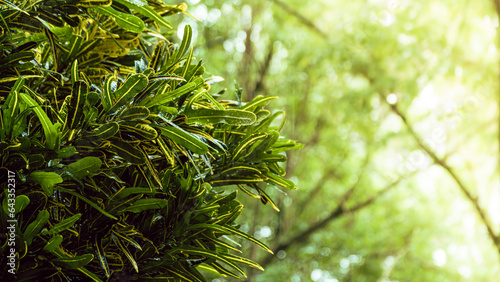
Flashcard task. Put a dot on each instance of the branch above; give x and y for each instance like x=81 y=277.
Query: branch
x=259 y=85
x=445 y=166
x=303 y=236
x=329 y=174
x=301 y=18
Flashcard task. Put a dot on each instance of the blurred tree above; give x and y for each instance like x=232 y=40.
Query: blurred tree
x=395 y=102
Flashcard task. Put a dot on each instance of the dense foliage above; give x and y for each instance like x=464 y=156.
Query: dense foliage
x=119 y=149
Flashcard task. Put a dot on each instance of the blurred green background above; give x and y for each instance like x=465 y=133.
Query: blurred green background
x=396 y=102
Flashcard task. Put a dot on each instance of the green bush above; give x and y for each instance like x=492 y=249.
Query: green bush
x=117 y=152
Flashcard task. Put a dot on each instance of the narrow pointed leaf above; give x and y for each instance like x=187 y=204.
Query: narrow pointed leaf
x=104 y=131
x=248 y=237
x=185 y=139
x=34 y=228
x=146 y=204
x=107 y=93
x=163 y=98
x=126 y=252
x=77 y=102
x=63 y=225
x=128 y=152
x=94 y=3
x=125 y=192
x=134 y=84
x=86 y=201
x=245 y=146
x=257 y=102
x=233 y=117
x=281 y=181
x=125 y=21
x=77 y=261
x=74 y=72
x=53 y=243
x=101 y=257
x=146 y=11
x=145 y=131
x=135 y=113
x=48 y=127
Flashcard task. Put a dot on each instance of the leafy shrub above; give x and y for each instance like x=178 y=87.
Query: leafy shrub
x=119 y=149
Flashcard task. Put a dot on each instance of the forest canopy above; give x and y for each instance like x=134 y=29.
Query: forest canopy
x=397 y=104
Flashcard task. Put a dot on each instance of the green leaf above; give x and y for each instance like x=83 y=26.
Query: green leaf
x=229 y=260
x=244 y=148
x=74 y=46
x=264 y=125
x=281 y=181
x=241 y=170
x=233 y=180
x=285 y=145
x=49 y=129
x=216 y=268
x=257 y=102
x=63 y=225
x=87 y=47
x=233 y=117
x=107 y=93
x=127 y=239
x=34 y=228
x=47 y=16
x=11 y=106
x=145 y=131
x=135 y=113
x=125 y=192
x=166 y=97
x=94 y=3
x=74 y=72
x=268 y=142
x=266 y=199
x=146 y=11
x=248 y=237
x=51 y=37
x=66 y=152
x=125 y=21
x=128 y=152
x=12 y=59
x=101 y=257
x=84 y=167
x=134 y=84
x=185 y=43
x=185 y=139
x=104 y=131
x=270 y=158
x=46 y=179
x=21 y=202
x=53 y=243
x=146 y=204
x=86 y=201
x=77 y=102
x=129 y=256
x=75 y=262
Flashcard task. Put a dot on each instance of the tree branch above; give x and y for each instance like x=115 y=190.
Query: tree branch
x=301 y=18
x=259 y=85
x=329 y=174
x=451 y=172
x=303 y=236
